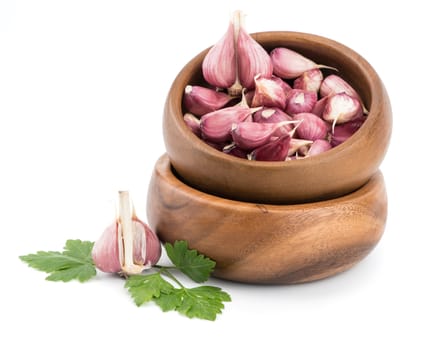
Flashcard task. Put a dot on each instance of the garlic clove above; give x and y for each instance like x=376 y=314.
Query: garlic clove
x=128 y=246
x=284 y=85
x=297 y=146
x=105 y=253
x=333 y=84
x=341 y=108
x=219 y=65
x=200 y=100
x=216 y=126
x=235 y=151
x=343 y=131
x=275 y=150
x=311 y=127
x=318 y=146
x=249 y=135
x=272 y=115
x=252 y=58
x=299 y=101
x=288 y=64
x=310 y=80
x=268 y=93
x=193 y=123
x=319 y=106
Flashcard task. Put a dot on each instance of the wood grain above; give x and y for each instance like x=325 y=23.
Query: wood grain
x=268 y=244
x=329 y=175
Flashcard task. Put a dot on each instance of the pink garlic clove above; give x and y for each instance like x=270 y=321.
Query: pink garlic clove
x=333 y=84
x=193 y=123
x=344 y=131
x=318 y=146
x=311 y=127
x=275 y=150
x=235 y=151
x=298 y=146
x=216 y=126
x=319 y=106
x=268 y=93
x=252 y=58
x=219 y=65
x=284 y=85
x=199 y=100
x=128 y=246
x=289 y=64
x=272 y=115
x=248 y=135
x=299 y=101
x=341 y=108
x=310 y=80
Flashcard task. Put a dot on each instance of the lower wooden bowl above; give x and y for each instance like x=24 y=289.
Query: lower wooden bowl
x=268 y=244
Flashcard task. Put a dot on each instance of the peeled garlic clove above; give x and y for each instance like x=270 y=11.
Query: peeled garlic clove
x=298 y=146
x=310 y=80
x=318 y=146
x=268 y=93
x=219 y=65
x=128 y=246
x=252 y=59
x=216 y=126
x=275 y=150
x=343 y=131
x=299 y=101
x=341 y=108
x=272 y=115
x=288 y=64
x=193 y=123
x=199 y=100
x=311 y=127
x=248 y=135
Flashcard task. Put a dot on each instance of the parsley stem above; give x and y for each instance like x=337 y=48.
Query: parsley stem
x=166 y=272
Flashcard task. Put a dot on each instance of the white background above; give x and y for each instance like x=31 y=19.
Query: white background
x=82 y=88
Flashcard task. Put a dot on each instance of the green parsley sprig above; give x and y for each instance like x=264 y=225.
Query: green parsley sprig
x=157 y=284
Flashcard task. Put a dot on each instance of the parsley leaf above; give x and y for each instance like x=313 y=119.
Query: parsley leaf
x=75 y=262
x=193 y=264
x=144 y=288
x=203 y=302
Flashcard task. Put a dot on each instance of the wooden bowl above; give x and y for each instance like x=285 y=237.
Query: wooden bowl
x=265 y=243
x=331 y=174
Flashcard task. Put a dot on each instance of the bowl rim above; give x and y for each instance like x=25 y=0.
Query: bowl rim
x=374 y=86
x=163 y=169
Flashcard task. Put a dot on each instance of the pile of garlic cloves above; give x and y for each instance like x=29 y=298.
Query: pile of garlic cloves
x=272 y=106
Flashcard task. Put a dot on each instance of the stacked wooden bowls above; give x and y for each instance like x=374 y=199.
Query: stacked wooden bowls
x=276 y=222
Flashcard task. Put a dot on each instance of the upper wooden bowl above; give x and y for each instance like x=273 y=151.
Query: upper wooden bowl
x=331 y=174
x=265 y=243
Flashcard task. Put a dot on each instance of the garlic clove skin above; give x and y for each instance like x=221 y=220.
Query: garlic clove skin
x=299 y=101
x=284 y=85
x=275 y=150
x=235 y=151
x=219 y=65
x=341 y=108
x=268 y=93
x=216 y=126
x=319 y=106
x=310 y=80
x=249 y=135
x=318 y=147
x=288 y=64
x=252 y=58
x=311 y=127
x=193 y=123
x=200 y=100
x=105 y=253
x=298 y=146
x=128 y=246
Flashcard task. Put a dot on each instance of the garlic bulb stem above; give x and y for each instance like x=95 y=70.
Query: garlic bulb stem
x=126 y=232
